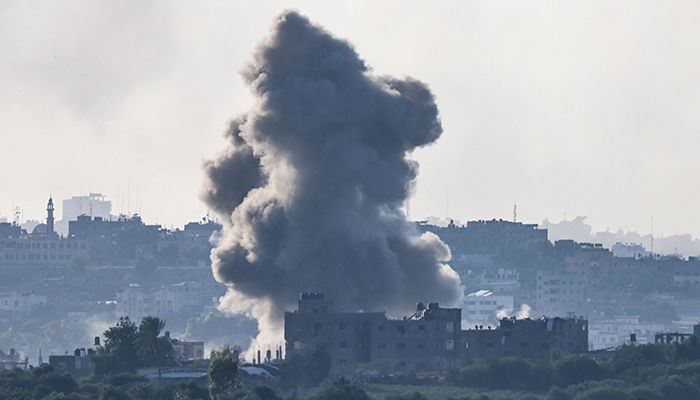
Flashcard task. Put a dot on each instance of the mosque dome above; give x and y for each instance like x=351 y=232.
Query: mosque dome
x=40 y=229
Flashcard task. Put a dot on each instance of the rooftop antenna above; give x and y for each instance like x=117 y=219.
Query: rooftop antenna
x=515 y=212
x=18 y=215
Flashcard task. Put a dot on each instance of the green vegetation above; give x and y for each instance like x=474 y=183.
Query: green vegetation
x=222 y=373
x=127 y=348
x=651 y=371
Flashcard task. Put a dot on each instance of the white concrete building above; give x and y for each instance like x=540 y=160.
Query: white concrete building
x=199 y=294
x=481 y=307
x=188 y=350
x=23 y=303
x=138 y=302
x=607 y=334
x=503 y=281
x=631 y=250
x=559 y=294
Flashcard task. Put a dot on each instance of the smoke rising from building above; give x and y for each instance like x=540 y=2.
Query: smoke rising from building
x=311 y=186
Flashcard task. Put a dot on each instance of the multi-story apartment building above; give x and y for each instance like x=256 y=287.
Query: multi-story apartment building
x=481 y=307
x=526 y=338
x=137 y=302
x=428 y=339
x=559 y=294
x=486 y=237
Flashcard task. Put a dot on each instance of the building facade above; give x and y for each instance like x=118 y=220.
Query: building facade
x=40 y=247
x=483 y=305
x=117 y=242
x=559 y=294
x=428 y=339
x=485 y=237
x=616 y=332
x=20 y=303
x=137 y=302
x=526 y=338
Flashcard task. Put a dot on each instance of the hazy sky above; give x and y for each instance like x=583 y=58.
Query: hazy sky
x=566 y=108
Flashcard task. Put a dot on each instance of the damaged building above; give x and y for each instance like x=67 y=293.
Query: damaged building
x=431 y=338
x=427 y=339
x=526 y=338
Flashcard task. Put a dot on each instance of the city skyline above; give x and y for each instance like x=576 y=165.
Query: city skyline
x=563 y=109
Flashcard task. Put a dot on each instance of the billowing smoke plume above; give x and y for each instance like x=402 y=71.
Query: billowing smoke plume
x=311 y=187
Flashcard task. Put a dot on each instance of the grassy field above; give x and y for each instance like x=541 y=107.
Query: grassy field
x=379 y=392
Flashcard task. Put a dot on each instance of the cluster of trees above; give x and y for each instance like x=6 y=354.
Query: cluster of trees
x=128 y=347
x=651 y=371
x=519 y=374
x=44 y=383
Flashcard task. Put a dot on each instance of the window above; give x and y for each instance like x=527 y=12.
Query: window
x=297 y=327
x=489 y=345
x=450 y=326
x=420 y=345
x=343 y=326
x=400 y=346
x=524 y=345
x=450 y=345
x=343 y=345
x=381 y=328
x=317 y=326
x=298 y=345
x=421 y=327
x=381 y=346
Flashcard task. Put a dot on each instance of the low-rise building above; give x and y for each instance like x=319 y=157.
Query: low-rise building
x=137 y=302
x=77 y=364
x=526 y=338
x=197 y=295
x=613 y=333
x=187 y=350
x=21 y=303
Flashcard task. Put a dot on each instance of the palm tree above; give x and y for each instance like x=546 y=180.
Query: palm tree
x=151 y=347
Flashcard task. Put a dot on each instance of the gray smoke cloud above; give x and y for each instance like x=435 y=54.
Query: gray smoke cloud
x=311 y=187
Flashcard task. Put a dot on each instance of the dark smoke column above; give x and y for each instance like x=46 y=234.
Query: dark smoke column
x=311 y=186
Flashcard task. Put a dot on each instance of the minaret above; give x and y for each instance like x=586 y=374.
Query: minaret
x=49 y=219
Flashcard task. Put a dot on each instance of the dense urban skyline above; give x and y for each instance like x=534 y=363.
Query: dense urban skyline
x=564 y=109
